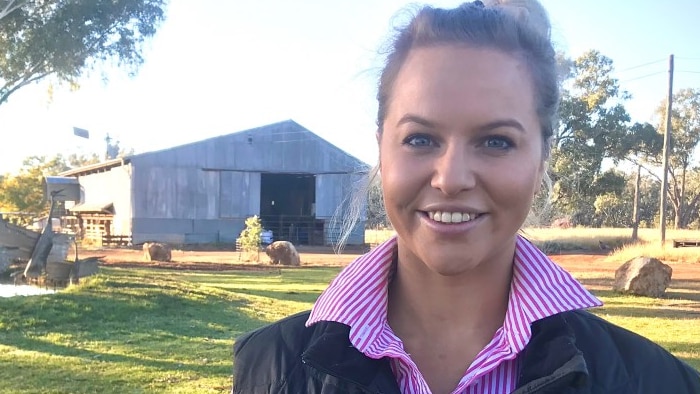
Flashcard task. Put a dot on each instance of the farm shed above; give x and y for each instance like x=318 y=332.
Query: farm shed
x=202 y=192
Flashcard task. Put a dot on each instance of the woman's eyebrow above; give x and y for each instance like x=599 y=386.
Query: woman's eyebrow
x=511 y=123
x=411 y=118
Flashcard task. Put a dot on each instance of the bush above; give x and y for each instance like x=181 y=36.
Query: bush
x=249 y=240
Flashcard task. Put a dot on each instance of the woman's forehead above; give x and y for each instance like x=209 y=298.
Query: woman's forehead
x=443 y=80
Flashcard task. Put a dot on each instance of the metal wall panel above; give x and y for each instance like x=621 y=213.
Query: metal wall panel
x=331 y=191
x=177 y=192
x=206 y=194
x=169 y=238
x=112 y=186
x=180 y=231
x=240 y=194
x=202 y=238
x=148 y=225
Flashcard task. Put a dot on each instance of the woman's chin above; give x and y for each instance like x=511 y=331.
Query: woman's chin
x=453 y=262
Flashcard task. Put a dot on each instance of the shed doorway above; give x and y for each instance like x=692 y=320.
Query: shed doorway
x=287 y=206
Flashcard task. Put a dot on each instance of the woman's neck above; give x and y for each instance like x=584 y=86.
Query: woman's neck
x=422 y=301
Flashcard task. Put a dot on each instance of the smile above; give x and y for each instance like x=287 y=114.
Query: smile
x=452 y=217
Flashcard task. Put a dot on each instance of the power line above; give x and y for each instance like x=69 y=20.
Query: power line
x=688 y=71
x=641 y=65
x=689 y=58
x=643 y=76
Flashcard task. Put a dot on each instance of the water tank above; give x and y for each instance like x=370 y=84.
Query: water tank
x=62 y=188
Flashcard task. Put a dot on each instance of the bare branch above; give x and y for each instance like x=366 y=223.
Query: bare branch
x=9 y=6
x=6 y=93
x=643 y=165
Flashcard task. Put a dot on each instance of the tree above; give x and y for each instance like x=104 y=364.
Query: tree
x=75 y=160
x=65 y=38
x=24 y=191
x=249 y=240
x=7 y=6
x=593 y=126
x=691 y=211
x=685 y=137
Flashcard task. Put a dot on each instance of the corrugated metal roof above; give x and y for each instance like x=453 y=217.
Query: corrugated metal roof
x=93 y=208
x=105 y=165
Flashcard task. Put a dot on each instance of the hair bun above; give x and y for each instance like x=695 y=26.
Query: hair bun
x=528 y=12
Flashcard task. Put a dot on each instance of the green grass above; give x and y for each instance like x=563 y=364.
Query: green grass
x=671 y=321
x=155 y=331
x=143 y=331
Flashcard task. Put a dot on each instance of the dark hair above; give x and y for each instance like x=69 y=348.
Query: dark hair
x=518 y=27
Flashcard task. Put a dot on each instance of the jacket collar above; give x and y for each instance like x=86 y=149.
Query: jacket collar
x=551 y=358
x=331 y=352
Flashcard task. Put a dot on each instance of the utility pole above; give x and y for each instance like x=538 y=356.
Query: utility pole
x=667 y=148
x=108 y=144
x=635 y=209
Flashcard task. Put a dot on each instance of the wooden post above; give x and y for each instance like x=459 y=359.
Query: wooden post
x=635 y=209
x=667 y=148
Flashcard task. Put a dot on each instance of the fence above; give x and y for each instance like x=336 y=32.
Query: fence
x=116 y=240
x=299 y=230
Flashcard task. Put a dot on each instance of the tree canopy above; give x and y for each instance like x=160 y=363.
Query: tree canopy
x=594 y=125
x=65 y=38
x=595 y=134
x=685 y=137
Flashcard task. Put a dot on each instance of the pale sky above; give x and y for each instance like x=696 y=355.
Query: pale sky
x=217 y=67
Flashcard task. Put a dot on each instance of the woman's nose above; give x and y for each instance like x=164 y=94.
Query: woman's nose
x=454 y=171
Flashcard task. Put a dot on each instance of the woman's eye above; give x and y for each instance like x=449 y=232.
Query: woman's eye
x=498 y=143
x=419 y=140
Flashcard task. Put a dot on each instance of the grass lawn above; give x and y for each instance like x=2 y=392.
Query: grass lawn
x=157 y=331
x=143 y=331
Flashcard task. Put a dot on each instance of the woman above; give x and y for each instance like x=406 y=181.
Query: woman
x=458 y=302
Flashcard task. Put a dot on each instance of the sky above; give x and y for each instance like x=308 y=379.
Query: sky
x=216 y=67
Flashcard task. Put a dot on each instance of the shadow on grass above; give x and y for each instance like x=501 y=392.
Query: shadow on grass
x=89 y=356
x=294 y=295
x=680 y=347
x=128 y=315
x=86 y=379
x=676 y=313
x=290 y=275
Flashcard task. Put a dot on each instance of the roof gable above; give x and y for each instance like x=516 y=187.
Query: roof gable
x=280 y=147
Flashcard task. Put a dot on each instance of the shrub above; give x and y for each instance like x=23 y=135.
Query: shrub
x=249 y=240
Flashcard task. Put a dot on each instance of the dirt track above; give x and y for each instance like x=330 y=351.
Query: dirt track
x=222 y=260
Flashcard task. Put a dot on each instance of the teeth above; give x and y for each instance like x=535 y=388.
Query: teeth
x=446 y=217
x=451 y=217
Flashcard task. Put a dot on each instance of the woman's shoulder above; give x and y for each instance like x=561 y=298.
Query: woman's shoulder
x=608 y=347
x=291 y=328
x=265 y=357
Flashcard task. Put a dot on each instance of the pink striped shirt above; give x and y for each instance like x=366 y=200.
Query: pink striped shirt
x=357 y=297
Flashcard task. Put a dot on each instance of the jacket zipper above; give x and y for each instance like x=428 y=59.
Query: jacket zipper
x=342 y=378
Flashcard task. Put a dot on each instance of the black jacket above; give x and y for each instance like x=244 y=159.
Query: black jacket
x=572 y=352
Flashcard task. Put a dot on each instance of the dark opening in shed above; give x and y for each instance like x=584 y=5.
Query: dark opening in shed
x=287 y=207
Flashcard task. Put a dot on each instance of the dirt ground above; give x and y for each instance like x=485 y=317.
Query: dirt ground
x=221 y=260
x=217 y=260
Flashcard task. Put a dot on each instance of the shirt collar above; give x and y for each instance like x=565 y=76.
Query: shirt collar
x=357 y=297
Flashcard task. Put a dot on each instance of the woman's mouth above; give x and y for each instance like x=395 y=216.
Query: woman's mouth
x=452 y=217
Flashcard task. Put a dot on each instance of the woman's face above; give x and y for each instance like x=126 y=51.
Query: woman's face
x=460 y=157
